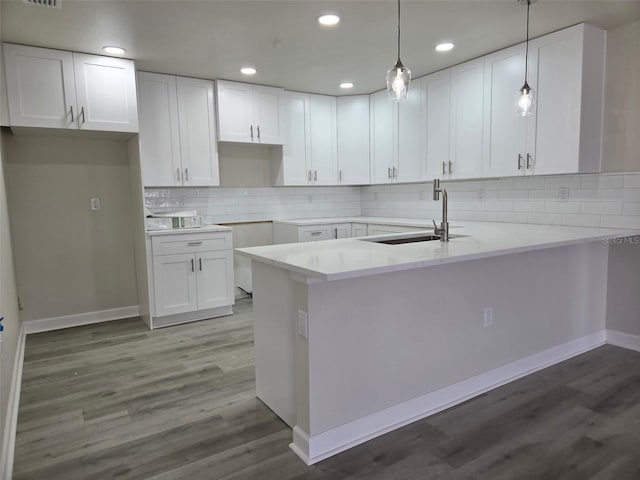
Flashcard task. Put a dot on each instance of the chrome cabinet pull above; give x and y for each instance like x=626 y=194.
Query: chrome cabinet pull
x=395 y=172
x=186 y=174
x=72 y=120
x=309 y=175
x=340 y=175
x=450 y=166
x=193 y=267
x=519 y=161
x=444 y=168
x=251 y=130
x=178 y=174
x=194 y=244
x=200 y=263
x=315 y=176
x=81 y=113
x=389 y=173
x=316 y=233
x=258 y=132
x=529 y=161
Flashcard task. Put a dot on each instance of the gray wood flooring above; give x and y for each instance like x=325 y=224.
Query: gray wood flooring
x=115 y=400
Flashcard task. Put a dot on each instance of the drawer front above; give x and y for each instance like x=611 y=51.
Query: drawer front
x=191 y=242
x=312 y=233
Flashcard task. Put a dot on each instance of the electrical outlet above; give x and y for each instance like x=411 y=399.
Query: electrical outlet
x=488 y=316
x=95 y=203
x=303 y=324
x=563 y=194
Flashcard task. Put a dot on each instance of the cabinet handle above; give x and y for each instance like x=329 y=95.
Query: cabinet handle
x=315 y=175
x=519 y=161
x=450 y=166
x=200 y=263
x=178 y=174
x=72 y=118
x=251 y=129
x=81 y=113
x=335 y=233
x=186 y=174
x=309 y=176
x=389 y=172
x=194 y=244
x=316 y=233
x=258 y=132
x=395 y=172
x=193 y=267
x=529 y=160
x=444 y=168
x=340 y=175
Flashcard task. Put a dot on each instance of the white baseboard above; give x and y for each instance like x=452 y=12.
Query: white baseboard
x=624 y=340
x=67 y=321
x=11 y=423
x=312 y=449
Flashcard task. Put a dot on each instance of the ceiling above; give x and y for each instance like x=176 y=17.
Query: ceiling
x=282 y=39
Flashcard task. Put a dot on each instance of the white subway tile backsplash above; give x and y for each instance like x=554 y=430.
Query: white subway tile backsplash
x=581 y=220
x=544 y=218
x=562 y=207
x=601 y=208
x=632 y=180
x=631 y=208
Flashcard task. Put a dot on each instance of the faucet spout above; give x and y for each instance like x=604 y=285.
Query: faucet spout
x=443 y=231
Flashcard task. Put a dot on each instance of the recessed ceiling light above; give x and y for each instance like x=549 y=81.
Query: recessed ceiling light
x=346 y=85
x=329 y=20
x=114 y=50
x=248 y=71
x=444 y=47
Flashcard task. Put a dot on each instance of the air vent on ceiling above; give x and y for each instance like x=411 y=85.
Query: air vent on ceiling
x=45 y=3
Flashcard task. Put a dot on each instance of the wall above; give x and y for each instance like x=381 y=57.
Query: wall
x=620 y=141
x=70 y=259
x=623 y=285
x=596 y=200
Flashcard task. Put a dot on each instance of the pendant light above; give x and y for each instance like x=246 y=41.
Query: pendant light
x=398 y=77
x=526 y=93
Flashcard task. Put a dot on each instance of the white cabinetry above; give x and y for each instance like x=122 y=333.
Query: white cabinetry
x=353 y=140
x=467 y=116
x=177 y=131
x=384 y=137
x=437 y=94
x=248 y=113
x=57 y=89
x=292 y=233
x=309 y=153
x=192 y=276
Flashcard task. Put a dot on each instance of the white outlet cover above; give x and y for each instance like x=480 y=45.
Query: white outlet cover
x=95 y=203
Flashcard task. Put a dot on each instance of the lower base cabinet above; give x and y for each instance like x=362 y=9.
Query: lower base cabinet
x=192 y=272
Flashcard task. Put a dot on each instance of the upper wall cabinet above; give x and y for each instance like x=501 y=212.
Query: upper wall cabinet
x=248 y=113
x=563 y=134
x=353 y=140
x=437 y=93
x=58 y=89
x=384 y=137
x=467 y=116
x=177 y=131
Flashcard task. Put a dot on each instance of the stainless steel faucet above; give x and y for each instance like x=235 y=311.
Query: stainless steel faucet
x=443 y=231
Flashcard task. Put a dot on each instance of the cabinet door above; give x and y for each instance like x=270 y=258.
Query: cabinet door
x=504 y=146
x=106 y=93
x=342 y=230
x=295 y=168
x=312 y=233
x=198 y=147
x=266 y=115
x=40 y=87
x=384 y=137
x=159 y=133
x=322 y=129
x=353 y=140
x=467 y=90
x=215 y=279
x=235 y=112
x=438 y=93
x=174 y=284
x=411 y=134
x=359 y=230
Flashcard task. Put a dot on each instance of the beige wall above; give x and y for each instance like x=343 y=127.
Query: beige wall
x=621 y=141
x=70 y=259
x=244 y=165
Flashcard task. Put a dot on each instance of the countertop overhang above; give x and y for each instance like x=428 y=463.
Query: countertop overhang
x=330 y=260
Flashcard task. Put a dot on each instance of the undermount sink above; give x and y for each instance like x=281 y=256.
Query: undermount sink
x=413 y=238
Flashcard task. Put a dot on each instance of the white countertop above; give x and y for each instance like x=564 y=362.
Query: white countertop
x=176 y=231
x=350 y=258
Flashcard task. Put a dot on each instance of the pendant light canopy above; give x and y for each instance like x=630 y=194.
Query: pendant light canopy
x=399 y=76
x=526 y=95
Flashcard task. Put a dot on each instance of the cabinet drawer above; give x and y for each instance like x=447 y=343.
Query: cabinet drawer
x=191 y=242
x=315 y=232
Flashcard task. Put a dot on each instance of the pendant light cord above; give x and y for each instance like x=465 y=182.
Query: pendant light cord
x=526 y=57
x=399 y=29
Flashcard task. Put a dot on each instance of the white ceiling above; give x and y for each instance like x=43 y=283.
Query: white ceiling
x=213 y=39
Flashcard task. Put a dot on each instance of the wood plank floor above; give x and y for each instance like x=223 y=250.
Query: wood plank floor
x=115 y=400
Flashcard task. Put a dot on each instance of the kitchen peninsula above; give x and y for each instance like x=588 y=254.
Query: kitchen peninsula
x=354 y=338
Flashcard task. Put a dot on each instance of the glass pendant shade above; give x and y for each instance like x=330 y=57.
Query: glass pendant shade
x=526 y=100
x=398 y=79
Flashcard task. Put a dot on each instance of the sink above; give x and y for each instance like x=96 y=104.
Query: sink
x=413 y=238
